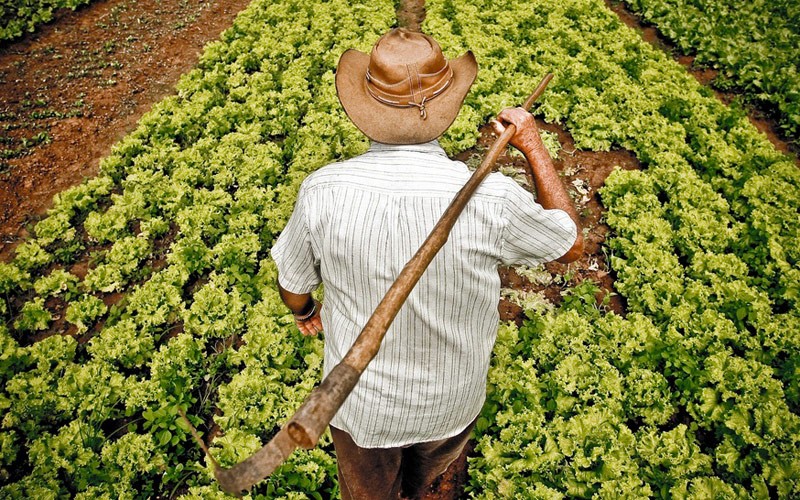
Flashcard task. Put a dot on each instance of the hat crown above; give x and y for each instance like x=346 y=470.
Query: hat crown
x=400 y=48
x=405 y=91
x=407 y=67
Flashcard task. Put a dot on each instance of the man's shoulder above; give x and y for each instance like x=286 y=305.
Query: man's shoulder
x=376 y=163
x=385 y=168
x=331 y=172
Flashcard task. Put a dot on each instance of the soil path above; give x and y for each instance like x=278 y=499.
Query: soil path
x=79 y=84
x=411 y=14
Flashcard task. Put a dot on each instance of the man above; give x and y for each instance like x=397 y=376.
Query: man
x=355 y=225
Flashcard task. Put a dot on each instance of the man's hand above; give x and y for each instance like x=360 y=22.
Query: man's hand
x=310 y=325
x=526 y=138
x=305 y=310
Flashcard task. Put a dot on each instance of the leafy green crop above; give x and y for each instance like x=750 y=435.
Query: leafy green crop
x=693 y=394
x=180 y=221
x=755 y=45
x=705 y=259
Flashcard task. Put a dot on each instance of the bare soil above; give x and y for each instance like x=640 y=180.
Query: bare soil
x=411 y=14
x=80 y=83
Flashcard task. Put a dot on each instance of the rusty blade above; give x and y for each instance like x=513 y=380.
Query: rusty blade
x=303 y=430
x=258 y=466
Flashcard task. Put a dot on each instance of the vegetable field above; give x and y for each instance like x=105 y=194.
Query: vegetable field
x=754 y=45
x=148 y=289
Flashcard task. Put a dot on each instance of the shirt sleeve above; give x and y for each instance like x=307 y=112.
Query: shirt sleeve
x=532 y=234
x=298 y=267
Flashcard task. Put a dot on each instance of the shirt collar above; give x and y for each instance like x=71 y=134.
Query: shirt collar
x=431 y=147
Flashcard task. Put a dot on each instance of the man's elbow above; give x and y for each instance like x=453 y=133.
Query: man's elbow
x=575 y=252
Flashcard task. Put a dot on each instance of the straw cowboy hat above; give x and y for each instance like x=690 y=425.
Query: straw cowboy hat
x=405 y=91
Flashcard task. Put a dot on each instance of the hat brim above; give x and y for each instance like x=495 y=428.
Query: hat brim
x=396 y=125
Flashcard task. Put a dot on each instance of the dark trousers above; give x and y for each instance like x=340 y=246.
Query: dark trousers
x=384 y=473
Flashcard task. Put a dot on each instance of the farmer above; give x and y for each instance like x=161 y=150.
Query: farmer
x=355 y=225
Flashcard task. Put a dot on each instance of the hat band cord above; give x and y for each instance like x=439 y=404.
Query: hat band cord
x=406 y=100
x=445 y=69
x=382 y=87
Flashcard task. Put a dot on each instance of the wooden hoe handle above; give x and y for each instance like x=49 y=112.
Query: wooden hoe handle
x=309 y=422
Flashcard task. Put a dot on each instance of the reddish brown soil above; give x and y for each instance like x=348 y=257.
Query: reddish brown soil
x=450 y=485
x=411 y=14
x=84 y=80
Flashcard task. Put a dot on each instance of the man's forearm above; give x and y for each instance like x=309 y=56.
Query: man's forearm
x=550 y=191
x=299 y=303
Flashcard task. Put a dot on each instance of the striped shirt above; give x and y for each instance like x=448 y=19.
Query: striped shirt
x=355 y=225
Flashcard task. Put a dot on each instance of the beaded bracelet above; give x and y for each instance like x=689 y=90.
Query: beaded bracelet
x=308 y=315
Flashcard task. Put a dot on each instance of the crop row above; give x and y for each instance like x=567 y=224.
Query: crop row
x=17 y=18
x=755 y=46
x=693 y=393
x=180 y=221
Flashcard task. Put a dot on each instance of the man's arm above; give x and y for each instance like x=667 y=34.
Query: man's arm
x=305 y=310
x=550 y=191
